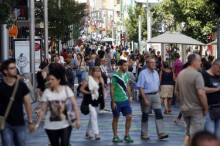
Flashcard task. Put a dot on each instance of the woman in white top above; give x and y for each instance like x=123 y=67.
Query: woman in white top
x=94 y=92
x=133 y=63
x=55 y=99
x=124 y=55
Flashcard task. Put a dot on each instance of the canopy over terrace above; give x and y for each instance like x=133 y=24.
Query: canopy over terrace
x=213 y=43
x=214 y=48
x=175 y=38
x=108 y=39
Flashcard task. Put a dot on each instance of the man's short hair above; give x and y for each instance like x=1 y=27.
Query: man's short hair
x=6 y=63
x=202 y=136
x=121 y=62
x=130 y=68
x=191 y=58
x=177 y=56
x=87 y=59
x=149 y=58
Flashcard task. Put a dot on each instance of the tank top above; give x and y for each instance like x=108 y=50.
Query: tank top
x=134 y=66
x=40 y=81
x=167 y=78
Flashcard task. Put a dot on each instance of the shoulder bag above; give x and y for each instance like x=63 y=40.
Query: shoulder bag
x=70 y=112
x=12 y=98
x=214 y=111
x=84 y=107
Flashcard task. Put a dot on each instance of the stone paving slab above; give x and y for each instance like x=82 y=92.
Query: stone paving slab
x=176 y=133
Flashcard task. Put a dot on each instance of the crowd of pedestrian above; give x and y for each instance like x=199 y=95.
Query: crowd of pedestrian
x=195 y=85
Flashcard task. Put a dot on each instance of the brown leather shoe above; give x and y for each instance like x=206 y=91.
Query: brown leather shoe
x=145 y=137
x=162 y=136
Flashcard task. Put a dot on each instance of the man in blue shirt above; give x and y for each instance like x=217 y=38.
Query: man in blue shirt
x=148 y=84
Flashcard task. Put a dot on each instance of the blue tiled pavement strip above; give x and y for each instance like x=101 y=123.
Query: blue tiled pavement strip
x=176 y=133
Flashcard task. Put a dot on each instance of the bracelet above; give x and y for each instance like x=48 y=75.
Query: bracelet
x=30 y=122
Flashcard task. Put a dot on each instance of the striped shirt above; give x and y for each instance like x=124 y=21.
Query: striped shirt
x=120 y=82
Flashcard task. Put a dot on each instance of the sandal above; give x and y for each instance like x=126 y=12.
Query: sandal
x=105 y=109
x=176 y=121
x=97 y=137
x=37 y=112
x=89 y=136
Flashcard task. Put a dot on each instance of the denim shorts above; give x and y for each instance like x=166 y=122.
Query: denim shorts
x=122 y=106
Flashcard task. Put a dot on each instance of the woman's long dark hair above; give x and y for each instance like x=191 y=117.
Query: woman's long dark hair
x=58 y=72
x=79 y=54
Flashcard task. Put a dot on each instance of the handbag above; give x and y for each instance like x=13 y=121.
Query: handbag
x=12 y=98
x=214 y=111
x=70 y=112
x=84 y=107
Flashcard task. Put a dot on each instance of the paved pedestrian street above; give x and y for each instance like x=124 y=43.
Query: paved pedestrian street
x=176 y=133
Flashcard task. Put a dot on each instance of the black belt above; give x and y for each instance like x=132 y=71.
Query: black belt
x=152 y=93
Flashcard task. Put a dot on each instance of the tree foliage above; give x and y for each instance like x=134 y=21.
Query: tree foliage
x=6 y=10
x=62 y=14
x=197 y=16
x=133 y=21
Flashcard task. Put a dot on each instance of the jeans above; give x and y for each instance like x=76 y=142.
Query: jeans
x=212 y=126
x=81 y=77
x=13 y=135
x=60 y=137
x=154 y=101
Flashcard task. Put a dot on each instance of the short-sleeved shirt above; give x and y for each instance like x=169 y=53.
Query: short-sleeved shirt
x=16 y=114
x=101 y=53
x=56 y=117
x=189 y=81
x=178 y=66
x=120 y=83
x=212 y=82
x=149 y=81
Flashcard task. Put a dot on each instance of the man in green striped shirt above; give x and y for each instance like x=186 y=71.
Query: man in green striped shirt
x=120 y=100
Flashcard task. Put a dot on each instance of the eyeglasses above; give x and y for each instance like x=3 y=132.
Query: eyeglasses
x=12 y=68
x=152 y=62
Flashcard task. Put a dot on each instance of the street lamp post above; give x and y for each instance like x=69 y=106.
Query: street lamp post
x=139 y=32
x=4 y=42
x=218 y=26
x=149 y=32
x=46 y=27
x=218 y=39
x=32 y=41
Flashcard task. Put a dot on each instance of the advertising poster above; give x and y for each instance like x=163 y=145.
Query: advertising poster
x=22 y=55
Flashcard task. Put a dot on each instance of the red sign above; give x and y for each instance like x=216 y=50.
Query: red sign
x=37 y=47
x=122 y=38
